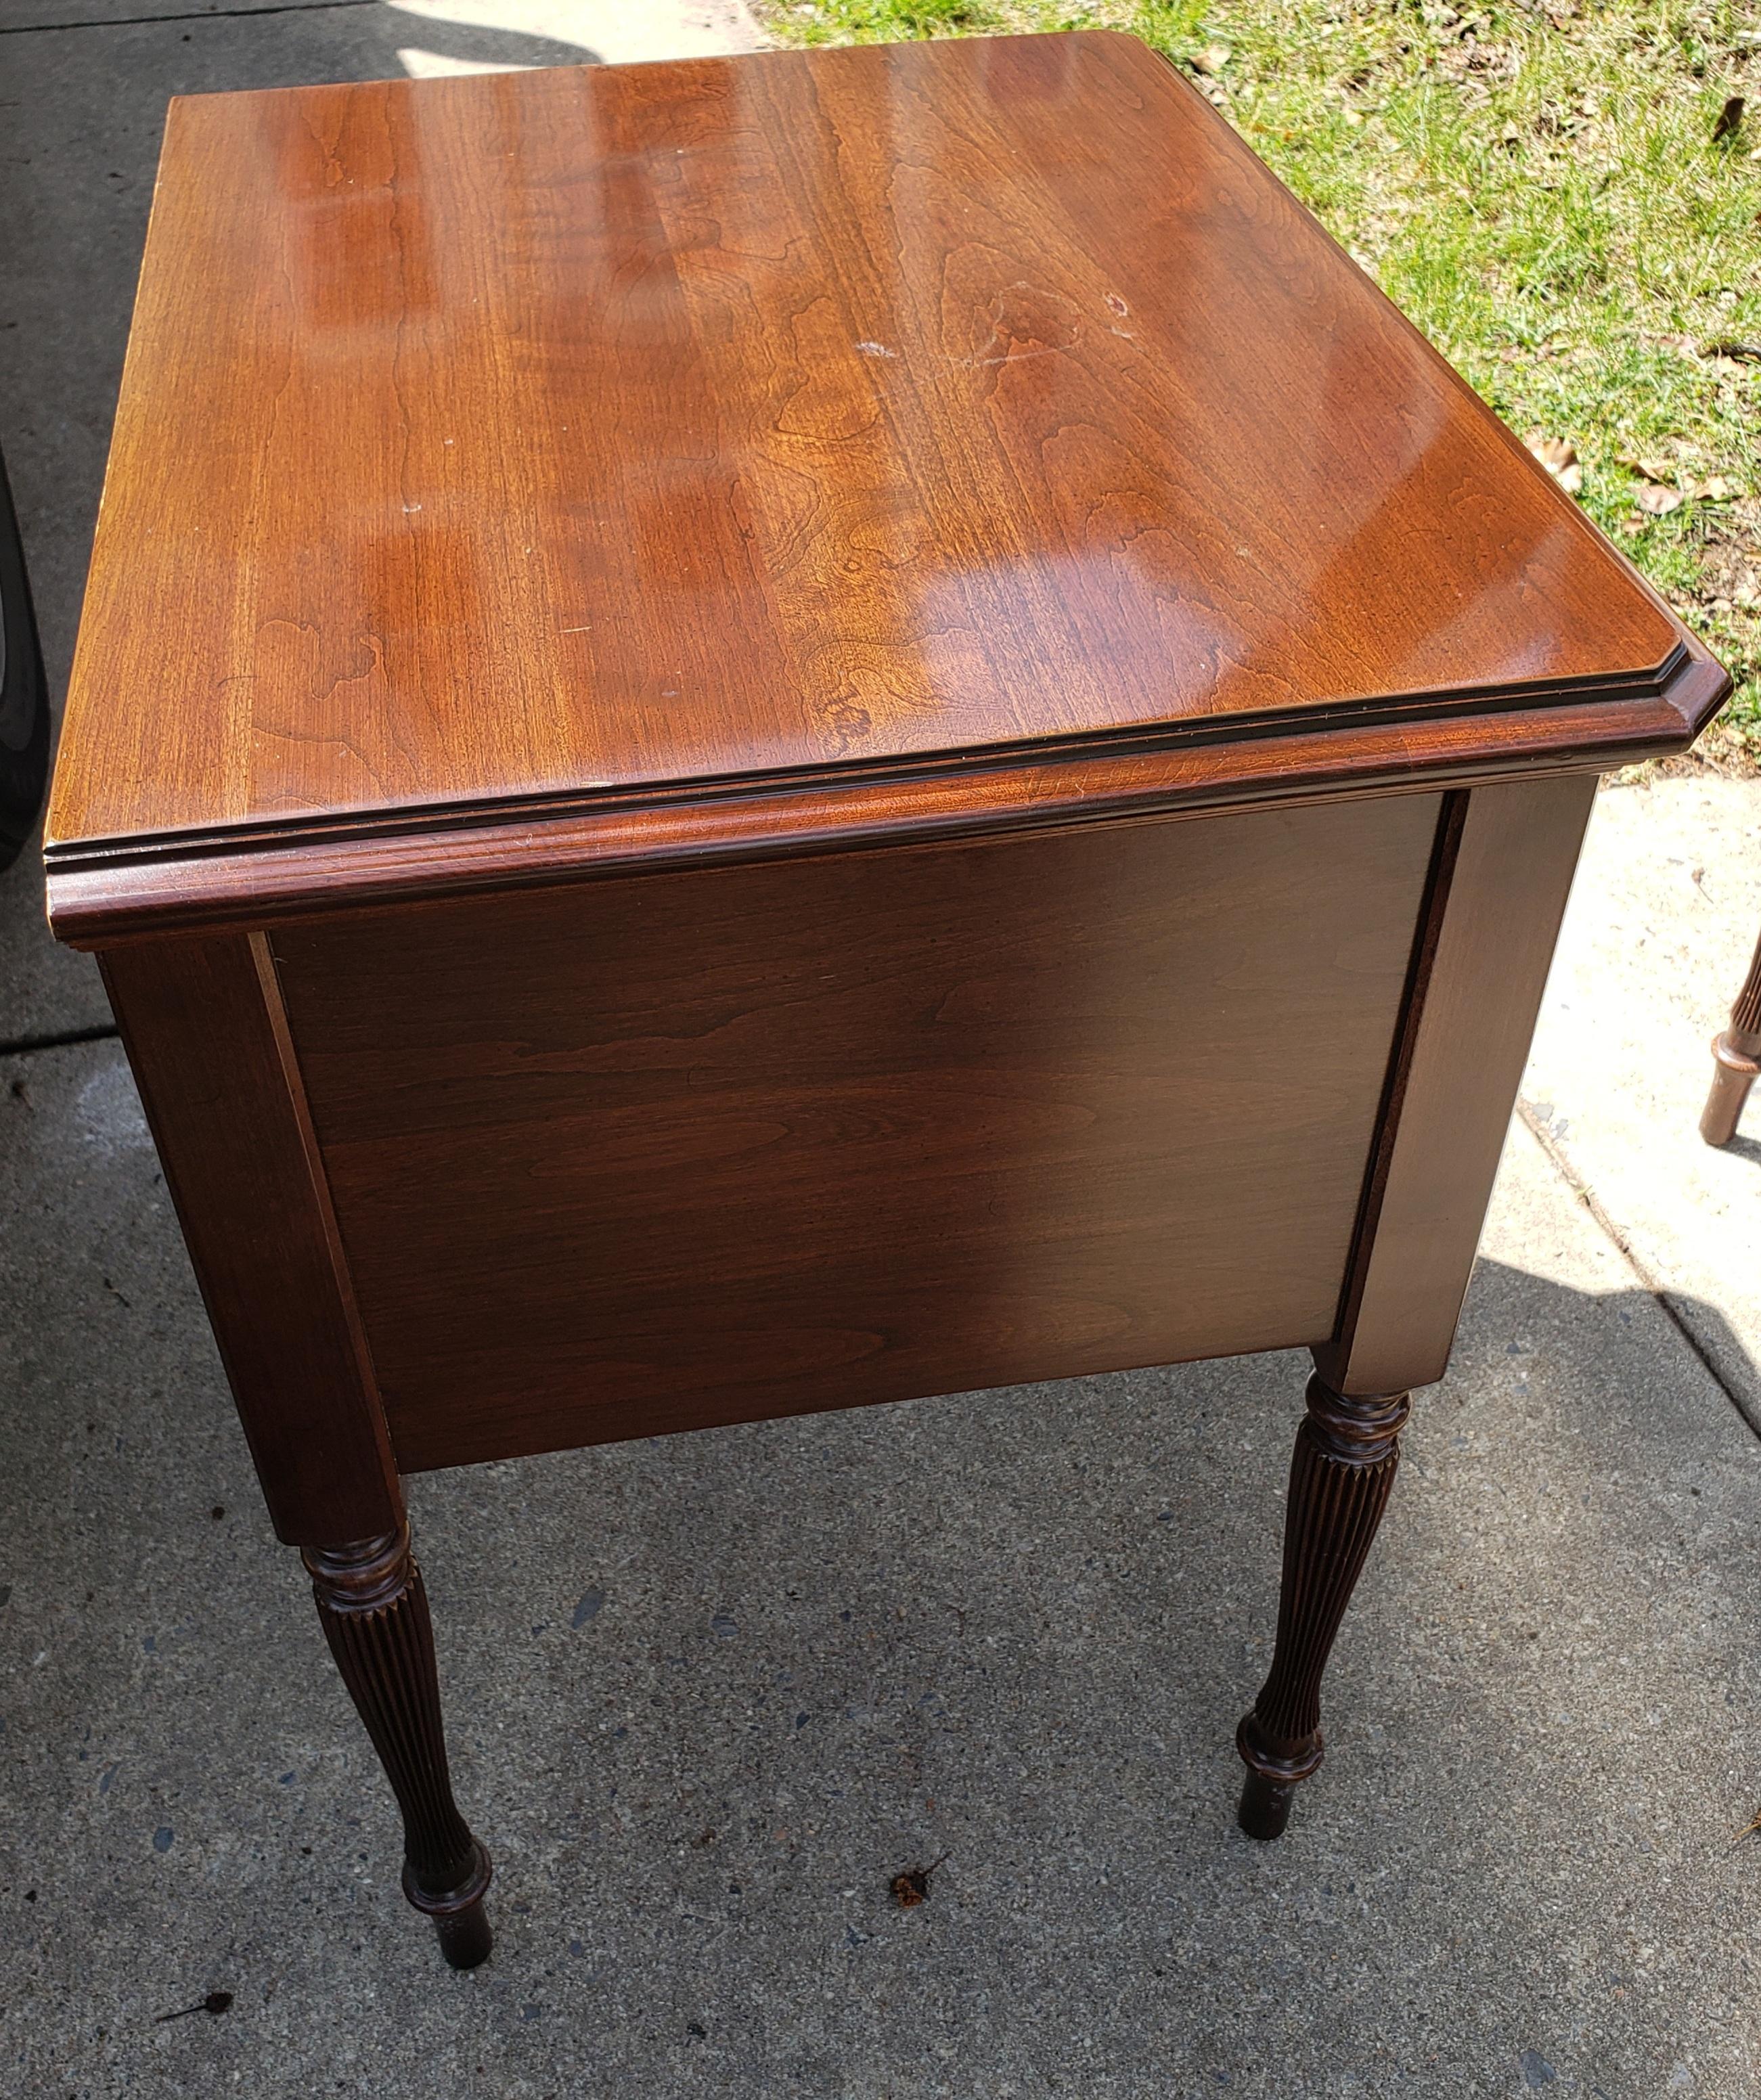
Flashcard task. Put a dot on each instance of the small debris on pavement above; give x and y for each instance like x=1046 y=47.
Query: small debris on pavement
x=216 y=2002
x=912 y=1887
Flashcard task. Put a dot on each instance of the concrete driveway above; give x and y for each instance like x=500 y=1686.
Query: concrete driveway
x=708 y=1695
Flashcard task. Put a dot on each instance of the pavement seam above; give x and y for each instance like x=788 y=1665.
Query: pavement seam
x=1653 y=1285
x=22 y=1046
x=195 y=15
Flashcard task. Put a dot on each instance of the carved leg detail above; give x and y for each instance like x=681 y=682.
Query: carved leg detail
x=1340 y=1476
x=374 y=1611
x=1737 y=1060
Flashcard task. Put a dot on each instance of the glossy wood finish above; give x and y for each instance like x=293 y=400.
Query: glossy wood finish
x=373 y=1607
x=755 y=1141
x=102 y=896
x=501 y=450
x=1501 y=869
x=1341 y=1474
x=203 y=1024
x=765 y=734
x=1505 y=865
x=1736 y=1059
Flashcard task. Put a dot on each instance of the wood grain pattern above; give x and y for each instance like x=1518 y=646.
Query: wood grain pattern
x=1495 y=914
x=1342 y=1472
x=109 y=891
x=207 y=1035
x=374 y=1606
x=649 y=1155
x=714 y=473
x=571 y=433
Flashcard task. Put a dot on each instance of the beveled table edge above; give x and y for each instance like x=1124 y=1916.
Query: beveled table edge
x=312 y=863
x=103 y=890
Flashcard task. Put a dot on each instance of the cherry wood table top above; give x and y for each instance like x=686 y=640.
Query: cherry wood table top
x=553 y=470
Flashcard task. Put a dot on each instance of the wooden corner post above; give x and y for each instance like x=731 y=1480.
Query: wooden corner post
x=1501 y=872
x=205 y=1030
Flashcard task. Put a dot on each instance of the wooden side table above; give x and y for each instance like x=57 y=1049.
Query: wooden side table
x=761 y=734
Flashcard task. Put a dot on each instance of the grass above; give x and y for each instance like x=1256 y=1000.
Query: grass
x=1538 y=187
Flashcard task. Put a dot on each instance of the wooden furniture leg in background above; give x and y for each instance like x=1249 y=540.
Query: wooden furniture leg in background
x=374 y=1611
x=1501 y=872
x=1737 y=1056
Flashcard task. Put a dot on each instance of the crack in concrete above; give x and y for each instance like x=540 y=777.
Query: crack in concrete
x=1652 y=1284
x=22 y=1046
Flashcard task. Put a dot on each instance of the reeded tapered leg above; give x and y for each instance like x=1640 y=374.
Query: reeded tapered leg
x=375 y=1614
x=1736 y=1060
x=1340 y=1476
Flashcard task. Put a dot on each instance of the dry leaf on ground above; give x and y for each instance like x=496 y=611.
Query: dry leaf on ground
x=1729 y=118
x=1662 y=471
x=1657 y=502
x=1560 y=460
x=1211 y=60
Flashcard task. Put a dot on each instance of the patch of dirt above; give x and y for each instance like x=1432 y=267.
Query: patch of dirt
x=1731 y=569
x=1724 y=607
x=1723 y=752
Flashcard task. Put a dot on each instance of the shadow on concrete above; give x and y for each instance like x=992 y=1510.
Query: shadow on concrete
x=1746 y=1148
x=709 y=1694
x=474 y=44
x=1721 y=1349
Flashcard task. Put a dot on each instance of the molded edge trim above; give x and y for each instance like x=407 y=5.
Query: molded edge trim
x=103 y=891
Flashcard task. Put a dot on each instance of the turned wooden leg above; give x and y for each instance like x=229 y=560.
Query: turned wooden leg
x=1737 y=1060
x=375 y=1614
x=1340 y=1476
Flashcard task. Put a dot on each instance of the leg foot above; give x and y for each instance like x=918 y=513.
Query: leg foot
x=374 y=1612
x=465 y=1936
x=460 y=1923
x=1341 y=1475
x=1265 y=1805
x=1737 y=1060
x=1733 y=1073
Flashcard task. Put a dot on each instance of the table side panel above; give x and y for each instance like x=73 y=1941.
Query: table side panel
x=649 y=1155
x=207 y=1038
